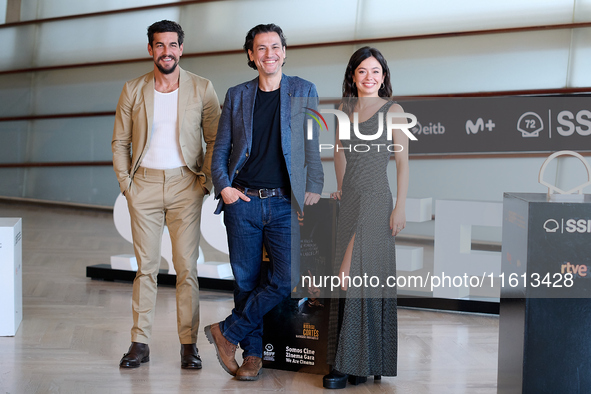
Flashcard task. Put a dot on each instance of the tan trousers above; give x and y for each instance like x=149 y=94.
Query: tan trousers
x=174 y=196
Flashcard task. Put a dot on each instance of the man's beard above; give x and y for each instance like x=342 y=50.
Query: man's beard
x=167 y=71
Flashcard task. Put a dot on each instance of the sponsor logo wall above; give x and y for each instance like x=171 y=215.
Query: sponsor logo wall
x=501 y=124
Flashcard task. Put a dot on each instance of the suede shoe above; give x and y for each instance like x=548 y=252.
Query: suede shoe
x=190 y=357
x=251 y=368
x=224 y=349
x=137 y=354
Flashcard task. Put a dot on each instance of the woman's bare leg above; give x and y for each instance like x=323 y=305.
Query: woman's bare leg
x=346 y=263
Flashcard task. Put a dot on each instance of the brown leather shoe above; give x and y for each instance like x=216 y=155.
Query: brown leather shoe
x=251 y=368
x=138 y=353
x=225 y=349
x=190 y=357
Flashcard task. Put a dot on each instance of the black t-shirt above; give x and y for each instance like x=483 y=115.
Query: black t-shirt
x=265 y=167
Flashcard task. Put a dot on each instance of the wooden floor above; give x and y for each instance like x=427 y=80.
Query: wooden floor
x=75 y=329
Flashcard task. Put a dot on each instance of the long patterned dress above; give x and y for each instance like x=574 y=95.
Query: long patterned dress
x=367 y=342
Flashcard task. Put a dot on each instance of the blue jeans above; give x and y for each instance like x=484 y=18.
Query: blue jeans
x=272 y=222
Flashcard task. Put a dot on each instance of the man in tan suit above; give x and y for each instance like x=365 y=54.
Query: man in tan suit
x=164 y=173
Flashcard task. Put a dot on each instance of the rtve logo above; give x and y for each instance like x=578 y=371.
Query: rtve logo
x=570 y=226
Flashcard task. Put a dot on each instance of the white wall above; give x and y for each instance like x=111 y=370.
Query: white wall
x=3 y=11
x=493 y=62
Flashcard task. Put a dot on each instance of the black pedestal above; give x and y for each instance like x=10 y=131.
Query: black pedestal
x=545 y=310
x=295 y=333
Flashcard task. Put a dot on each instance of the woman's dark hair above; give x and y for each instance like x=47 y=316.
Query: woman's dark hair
x=349 y=88
x=248 y=42
x=165 y=26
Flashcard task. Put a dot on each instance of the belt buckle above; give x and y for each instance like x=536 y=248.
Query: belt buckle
x=261 y=195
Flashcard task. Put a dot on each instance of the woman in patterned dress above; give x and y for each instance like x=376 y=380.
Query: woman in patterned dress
x=363 y=326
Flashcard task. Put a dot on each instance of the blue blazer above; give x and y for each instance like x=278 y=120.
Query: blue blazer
x=234 y=137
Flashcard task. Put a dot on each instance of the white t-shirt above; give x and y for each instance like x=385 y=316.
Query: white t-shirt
x=164 y=150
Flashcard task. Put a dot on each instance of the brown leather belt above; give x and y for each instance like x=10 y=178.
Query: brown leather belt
x=263 y=193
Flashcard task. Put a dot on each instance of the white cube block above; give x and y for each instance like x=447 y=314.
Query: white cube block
x=126 y=262
x=214 y=269
x=409 y=258
x=453 y=254
x=11 y=275
x=418 y=209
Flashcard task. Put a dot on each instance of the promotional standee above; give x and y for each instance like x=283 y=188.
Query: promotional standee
x=545 y=310
x=295 y=332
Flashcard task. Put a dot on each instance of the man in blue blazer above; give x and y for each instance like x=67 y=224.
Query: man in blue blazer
x=265 y=169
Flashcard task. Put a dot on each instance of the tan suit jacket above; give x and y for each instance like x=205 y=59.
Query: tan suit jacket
x=198 y=115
